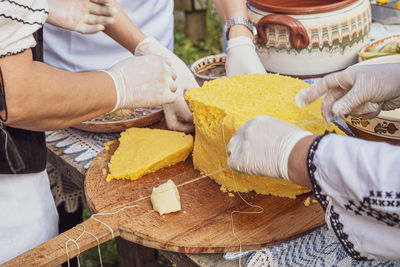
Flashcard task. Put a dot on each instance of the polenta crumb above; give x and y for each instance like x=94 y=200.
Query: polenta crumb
x=307 y=201
x=231 y=195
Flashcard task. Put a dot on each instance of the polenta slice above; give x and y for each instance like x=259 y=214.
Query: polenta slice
x=221 y=106
x=142 y=151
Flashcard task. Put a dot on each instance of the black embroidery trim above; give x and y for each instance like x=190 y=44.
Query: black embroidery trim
x=3 y=104
x=21 y=21
x=377 y=199
x=26 y=7
x=334 y=217
x=13 y=53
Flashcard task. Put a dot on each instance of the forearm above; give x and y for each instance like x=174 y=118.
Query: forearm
x=40 y=97
x=124 y=31
x=297 y=166
x=228 y=9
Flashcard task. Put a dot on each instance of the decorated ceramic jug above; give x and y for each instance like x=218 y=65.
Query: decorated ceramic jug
x=309 y=38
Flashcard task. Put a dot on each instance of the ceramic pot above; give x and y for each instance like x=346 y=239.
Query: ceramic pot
x=310 y=38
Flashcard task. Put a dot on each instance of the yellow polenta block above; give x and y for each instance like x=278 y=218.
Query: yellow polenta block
x=221 y=106
x=142 y=151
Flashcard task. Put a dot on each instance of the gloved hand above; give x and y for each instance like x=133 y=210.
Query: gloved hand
x=358 y=90
x=262 y=146
x=242 y=57
x=145 y=81
x=177 y=114
x=84 y=16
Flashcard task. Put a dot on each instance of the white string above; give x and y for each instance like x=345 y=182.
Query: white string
x=261 y=209
x=66 y=248
x=98 y=242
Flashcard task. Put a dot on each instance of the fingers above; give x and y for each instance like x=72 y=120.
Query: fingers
x=100 y=9
x=102 y=2
x=329 y=82
x=338 y=80
x=95 y=19
x=172 y=84
x=173 y=122
x=328 y=102
x=89 y=29
x=351 y=100
x=369 y=109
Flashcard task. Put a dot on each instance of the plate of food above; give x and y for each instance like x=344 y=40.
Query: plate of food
x=387 y=46
x=122 y=119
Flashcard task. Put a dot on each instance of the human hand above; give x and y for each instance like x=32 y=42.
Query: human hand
x=242 y=57
x=358 y=90
x=177 y=114
x=262 y=146
x=84 y=16
x=144 y=81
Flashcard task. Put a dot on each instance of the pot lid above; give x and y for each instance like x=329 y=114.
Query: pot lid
x=299 y=6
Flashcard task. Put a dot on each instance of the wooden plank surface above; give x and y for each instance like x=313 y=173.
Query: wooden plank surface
x=204 y=224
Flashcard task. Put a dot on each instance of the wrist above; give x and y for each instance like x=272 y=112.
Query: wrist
x=147 y=45
x=240 y=30
x=297 y=164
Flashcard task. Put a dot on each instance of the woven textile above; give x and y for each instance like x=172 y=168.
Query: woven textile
x=320 y=248
x=85 y=146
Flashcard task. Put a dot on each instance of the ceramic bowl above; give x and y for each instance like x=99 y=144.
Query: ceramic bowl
x=378 y=44
x=209 y=68
x=310 y=38
x=386 y=126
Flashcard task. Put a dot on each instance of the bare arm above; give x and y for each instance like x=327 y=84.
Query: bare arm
x=40 y=97
x=228 y=9
x=124 y=31
x=297 y=167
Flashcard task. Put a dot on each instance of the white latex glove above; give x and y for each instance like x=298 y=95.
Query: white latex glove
x=358 y=90
x=262 y=147
x=145 y=81
x=177 y=114
x=84 y=16
x=242 y=57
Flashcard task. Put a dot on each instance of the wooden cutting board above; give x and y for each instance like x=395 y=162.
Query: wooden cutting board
x=203 y=225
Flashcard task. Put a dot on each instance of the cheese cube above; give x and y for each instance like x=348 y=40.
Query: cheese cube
x=165 y=198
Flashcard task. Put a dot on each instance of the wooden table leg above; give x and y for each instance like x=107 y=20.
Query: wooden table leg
x=134 y=255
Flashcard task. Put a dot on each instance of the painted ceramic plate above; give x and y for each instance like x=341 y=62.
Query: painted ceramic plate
x=108 y=123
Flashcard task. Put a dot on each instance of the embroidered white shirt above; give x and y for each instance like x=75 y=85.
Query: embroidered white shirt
x=358 y=184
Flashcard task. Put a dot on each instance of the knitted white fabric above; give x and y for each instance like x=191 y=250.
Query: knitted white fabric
x=18 y=21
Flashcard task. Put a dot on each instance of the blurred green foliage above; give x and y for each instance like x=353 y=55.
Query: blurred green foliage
x=211 y=45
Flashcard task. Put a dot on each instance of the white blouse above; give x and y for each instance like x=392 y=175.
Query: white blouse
x=358 y=184
x=19 y=19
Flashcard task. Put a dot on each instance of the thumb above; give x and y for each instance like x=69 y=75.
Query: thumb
x=354 y=98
